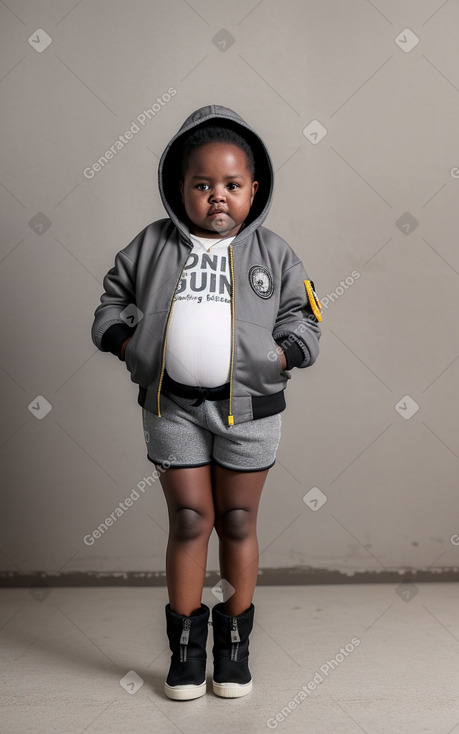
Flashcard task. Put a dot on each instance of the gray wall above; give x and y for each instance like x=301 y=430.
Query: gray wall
x=371 y=208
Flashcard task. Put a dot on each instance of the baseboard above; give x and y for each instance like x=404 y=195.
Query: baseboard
x=298 y=576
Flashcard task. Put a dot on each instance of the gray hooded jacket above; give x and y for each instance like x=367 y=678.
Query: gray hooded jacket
x=272 y=299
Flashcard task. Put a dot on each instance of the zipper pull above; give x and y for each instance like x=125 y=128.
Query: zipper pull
x=185 y=631
x=234 y=631
x=231 y=420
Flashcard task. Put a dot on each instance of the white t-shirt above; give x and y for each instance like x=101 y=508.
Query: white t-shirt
x=198 y=350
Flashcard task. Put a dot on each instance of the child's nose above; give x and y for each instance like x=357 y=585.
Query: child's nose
x=218 y=194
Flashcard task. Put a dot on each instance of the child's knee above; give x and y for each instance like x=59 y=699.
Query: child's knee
x=189 y=524
x=235 y=524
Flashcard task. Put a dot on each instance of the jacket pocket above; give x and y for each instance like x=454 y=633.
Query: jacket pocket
x=127 y=354
x=280 y=376
x=143 y=353
x=274 y=357
x=258 y=361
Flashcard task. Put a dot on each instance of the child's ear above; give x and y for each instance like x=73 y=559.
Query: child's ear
x=254 y=190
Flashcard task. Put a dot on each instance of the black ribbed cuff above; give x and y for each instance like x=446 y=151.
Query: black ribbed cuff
x=114 y=338
x=293 y=353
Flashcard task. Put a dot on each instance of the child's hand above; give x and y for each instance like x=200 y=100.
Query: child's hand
x=283 y=358
x=124 y=345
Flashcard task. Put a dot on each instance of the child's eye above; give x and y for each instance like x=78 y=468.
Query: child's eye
x=204 y=187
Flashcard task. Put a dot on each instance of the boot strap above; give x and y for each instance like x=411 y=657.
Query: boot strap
x=184 y=638
x=234 y=631
x=185 y=631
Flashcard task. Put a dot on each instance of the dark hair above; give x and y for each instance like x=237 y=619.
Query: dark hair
x=212 y=134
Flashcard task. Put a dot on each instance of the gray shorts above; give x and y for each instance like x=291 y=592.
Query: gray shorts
x=190 y=436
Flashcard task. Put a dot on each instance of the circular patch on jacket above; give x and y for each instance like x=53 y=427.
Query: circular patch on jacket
x=261 y=281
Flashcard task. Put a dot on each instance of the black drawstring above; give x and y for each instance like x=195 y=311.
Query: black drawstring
x=203 y=393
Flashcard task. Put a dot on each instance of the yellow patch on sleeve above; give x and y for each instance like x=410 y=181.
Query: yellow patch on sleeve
x=314 y=302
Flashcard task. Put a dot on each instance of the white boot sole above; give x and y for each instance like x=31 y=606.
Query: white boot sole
x=184 y=692
x=231 y=690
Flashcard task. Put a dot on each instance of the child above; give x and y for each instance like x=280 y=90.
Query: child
x=210 y=311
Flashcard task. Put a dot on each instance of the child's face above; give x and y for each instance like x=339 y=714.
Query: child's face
x=217 y=190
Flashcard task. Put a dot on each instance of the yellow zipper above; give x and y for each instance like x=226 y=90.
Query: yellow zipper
x=230 y=416
x=163 y=361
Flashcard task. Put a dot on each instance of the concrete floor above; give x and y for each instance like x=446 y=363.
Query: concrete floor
x=65 y=651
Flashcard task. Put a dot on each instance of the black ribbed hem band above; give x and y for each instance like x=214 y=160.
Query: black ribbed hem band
x=266 y=405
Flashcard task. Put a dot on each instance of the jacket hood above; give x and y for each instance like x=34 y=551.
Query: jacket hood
x=169 y=167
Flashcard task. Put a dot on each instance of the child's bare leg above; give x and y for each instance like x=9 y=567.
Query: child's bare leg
x=236 y=498
x=189 y=499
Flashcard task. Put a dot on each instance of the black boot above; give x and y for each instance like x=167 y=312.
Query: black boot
x=187 y=640
x=231 y=677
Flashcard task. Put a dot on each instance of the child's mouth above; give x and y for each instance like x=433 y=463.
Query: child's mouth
x=221 y=221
